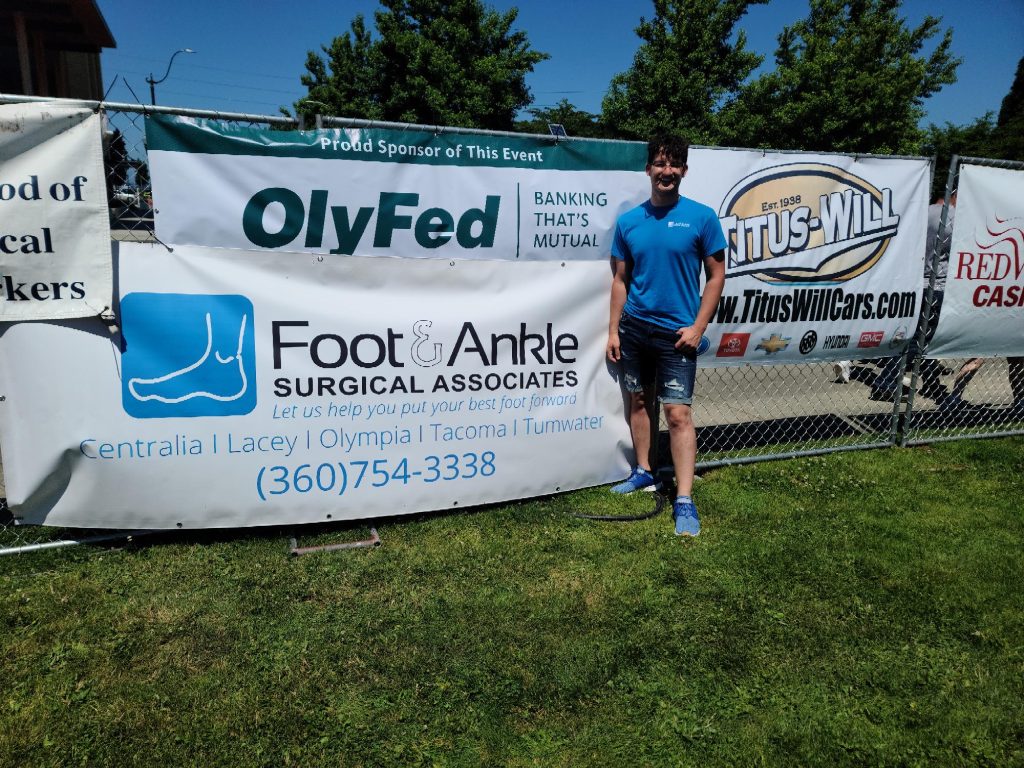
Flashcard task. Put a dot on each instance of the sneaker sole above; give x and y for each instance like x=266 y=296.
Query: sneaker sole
x=647 y=489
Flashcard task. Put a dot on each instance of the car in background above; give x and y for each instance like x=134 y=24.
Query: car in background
x=127 y=195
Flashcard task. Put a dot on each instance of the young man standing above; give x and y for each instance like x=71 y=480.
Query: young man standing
x=658 y=317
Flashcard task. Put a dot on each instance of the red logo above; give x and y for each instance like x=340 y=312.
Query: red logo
x=733 y=345
x=870 y=339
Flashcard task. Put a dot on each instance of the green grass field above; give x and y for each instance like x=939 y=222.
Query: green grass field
x=857 y=609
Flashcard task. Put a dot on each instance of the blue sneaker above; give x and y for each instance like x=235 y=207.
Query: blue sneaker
x=684 y=512
x=638 y=480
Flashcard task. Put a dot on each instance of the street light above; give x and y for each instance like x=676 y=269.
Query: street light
x=153 y=83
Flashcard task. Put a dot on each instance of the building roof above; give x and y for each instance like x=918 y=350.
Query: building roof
x=68 y=25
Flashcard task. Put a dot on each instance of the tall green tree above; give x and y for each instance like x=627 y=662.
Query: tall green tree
x=850 y=77
x=688 y=64
x=942 y=143
x=346 y=83
x=1008 y=137
x=437 y=62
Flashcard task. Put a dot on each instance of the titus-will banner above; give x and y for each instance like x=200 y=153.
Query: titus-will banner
x=826 y=252
x=248 y=390
x=983 y=307
x=54 y=222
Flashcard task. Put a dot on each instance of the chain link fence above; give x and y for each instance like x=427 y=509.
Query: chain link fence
x=961 y=398
x=743 y=414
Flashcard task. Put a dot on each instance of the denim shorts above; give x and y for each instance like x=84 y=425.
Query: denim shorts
x=649 y=355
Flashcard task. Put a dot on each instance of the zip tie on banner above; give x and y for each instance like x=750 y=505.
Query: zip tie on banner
x=165 y=245
x=109 y=319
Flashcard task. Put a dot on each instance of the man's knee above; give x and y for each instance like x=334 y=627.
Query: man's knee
x=639 y=401
x=678 y=416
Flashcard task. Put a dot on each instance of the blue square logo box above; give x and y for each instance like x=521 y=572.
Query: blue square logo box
x=187 y=355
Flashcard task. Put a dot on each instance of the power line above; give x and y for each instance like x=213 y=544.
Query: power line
x=219 y=84
x=192 y=65
x=217 y=98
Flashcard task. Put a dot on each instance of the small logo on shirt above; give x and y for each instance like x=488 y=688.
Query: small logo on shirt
x=679 y=224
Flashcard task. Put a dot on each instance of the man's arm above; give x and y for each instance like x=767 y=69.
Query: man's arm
x=714 y=268
x=619 y=278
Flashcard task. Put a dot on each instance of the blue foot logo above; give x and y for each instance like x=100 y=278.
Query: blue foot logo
x=187 y=355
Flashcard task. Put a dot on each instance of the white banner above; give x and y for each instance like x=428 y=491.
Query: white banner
x=376 y=192
x=826 y=253
x=54 y=221
x=252 y=389
x=983 y=308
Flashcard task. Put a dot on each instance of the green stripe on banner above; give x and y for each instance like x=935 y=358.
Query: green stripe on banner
x=175 y=134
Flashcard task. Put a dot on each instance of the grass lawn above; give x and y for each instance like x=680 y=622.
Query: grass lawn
x=857 y=609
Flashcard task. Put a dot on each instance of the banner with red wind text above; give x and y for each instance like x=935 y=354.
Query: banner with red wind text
x=247 y=389
x=983 y=307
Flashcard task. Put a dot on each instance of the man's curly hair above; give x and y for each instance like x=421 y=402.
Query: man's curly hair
x=675 y=147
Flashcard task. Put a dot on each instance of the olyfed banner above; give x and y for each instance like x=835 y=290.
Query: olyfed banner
x=826 y=252
x=54 y=222
x=377 y=192
x=983 y=307
x=246 y=390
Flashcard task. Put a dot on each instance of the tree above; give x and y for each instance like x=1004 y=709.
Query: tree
x=437 y=62
x=973 y=140
x=683 y=71
x=349 y=87
x=1008 y=137
x=850 y=77
x=575 y=121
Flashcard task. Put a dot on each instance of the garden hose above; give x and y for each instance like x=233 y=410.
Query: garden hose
x=659 y=505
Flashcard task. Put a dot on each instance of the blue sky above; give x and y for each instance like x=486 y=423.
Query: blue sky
x=249 y=56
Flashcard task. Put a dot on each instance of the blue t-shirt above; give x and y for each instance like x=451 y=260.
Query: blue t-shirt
x=666 y=248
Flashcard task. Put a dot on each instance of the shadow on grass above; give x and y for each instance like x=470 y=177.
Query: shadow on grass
x=972 y=416
x=726 y=438
x=338 y=530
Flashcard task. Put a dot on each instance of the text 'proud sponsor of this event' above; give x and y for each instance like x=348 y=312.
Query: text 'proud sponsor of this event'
x=266 y=397
x=54 y=224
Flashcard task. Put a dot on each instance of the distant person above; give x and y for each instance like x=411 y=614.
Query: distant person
x=888 y=385
x=658 y=317
x=955 y=399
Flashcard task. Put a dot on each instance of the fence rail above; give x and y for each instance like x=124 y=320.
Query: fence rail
x=743 y=414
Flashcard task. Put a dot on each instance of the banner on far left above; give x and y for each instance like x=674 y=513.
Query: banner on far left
x=248 y=388
x=54 y=221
